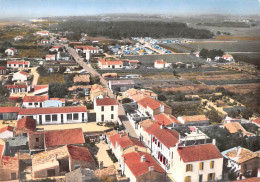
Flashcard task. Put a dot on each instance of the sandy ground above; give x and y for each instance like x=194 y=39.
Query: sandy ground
x=35 y=76
x=7 y=123
x=102 y=154
x=86 y=127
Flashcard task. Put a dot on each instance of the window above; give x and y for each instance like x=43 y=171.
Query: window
x=37 y=139
x=187 y=179
x=30 y=104
x=188 y=167
x=211 y=164
x=112 y=116
x=102 y=117
x=76 y=116
x=69 y=117
x=13 y=176
x=47 y=118
x=112 y=108
x=102 y=108
x=201 y=165
x=211 y=176
x=54 y=117
x=76 y=166
x=14 y=64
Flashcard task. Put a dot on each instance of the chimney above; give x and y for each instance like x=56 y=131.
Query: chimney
x=214 y=141
x=151 y=168
x=143 y=158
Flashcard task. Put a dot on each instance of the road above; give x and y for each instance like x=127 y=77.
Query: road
x=88 y=68
x=35 y=76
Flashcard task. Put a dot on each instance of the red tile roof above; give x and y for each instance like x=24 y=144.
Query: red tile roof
x=17 y=62
x=16 y=86
x=57 y=47
x=1 y=152
x=39 y=87
x=106 y=102
x=255 y=179
x=26 y=123
x=35 y=98
x=49 y=56
x=166 y=119
x=124 y=141
x=160 y=62
x=110 y=62
x=257 y=121
x=2 y=68
x=9 y=109
x=166 y=136
x=62 y=137
x=79 y=153
x=87 y=47
x=199 y=153
x=49 y=110
x=24 y=73
x=7 y=128
x=149 y=102
x=133 y=61
x=138 y=168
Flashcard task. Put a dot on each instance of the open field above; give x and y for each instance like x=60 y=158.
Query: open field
x=55 y=78
x=248 y=58
x=30 y=53
x=148 y=60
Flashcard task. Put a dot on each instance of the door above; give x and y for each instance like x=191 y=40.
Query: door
x=40 y=119
x=200 y=177
x=61 y=118
x=51 y=172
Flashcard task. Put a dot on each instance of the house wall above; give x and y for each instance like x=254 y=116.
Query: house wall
x=50 y=58
x=17 y=65
x=179 y=169
x=110 y=66
x=83 y=164
x=8 y=116
x=19 y=77
x=18 y=90
x=252 y=164
x=127 y=172
x=152 y=176
x=107 y=113
x=6 y=134
x=42 y=117
x=2 y=72
x=158 y=66
x=145 y=137
x=43 y=173
x=5 y=174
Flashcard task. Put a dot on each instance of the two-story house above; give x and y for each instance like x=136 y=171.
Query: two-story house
x=197 y=163
x=106 y=110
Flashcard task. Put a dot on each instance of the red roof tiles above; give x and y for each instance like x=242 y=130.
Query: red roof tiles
x=149 y=102
x=49 y=110
x=124 y=141
x=35 y=98
x=166 y=136
x=106 y=102
x=166 y=119
x=39 y=87
x=87 y=47
x=138 y=168
x=160 y=62
x=199 y=153
x=7 y=128
x=257 y=121
x=79 y=153
x=9 y=109
x=26 y=123
x=24 y=73
x=110 y=62
x=17 y=62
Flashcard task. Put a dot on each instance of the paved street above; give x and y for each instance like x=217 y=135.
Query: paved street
x=88 y=68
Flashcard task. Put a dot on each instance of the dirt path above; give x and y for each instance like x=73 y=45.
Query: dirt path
x=102 y=154
x=35 y=76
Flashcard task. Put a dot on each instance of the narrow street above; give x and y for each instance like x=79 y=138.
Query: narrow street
x=88 y=68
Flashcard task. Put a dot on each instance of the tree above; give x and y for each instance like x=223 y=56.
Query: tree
x=162 y=98
x=218 y=33
x=213 y=116
x=246 y=113
x=41 y=70
x=233 y=114
x=126 y=100
x=4 y=91
x=204 y=53
x=94 y=80
x=58 y=90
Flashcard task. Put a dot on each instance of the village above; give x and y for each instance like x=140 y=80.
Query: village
x=137 y=109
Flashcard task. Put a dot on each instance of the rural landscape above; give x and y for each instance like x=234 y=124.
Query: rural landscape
x=129 y=97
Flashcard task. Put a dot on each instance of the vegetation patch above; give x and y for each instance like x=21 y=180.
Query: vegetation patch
x=55 y=78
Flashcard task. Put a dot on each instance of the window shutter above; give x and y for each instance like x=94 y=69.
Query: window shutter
x=191 y=167
x=212 y=164
x=208 y=177
x=213 y=176
x=200 y=165
x=186 y=167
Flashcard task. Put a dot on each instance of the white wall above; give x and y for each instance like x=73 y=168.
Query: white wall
x=107 y=113
x=6 y=134
x=19 y=77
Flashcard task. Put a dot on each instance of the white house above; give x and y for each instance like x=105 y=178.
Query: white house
x=44 y=41
x=43 y=33
x=6 y=132
x=18 y=38
x=18 y=64
x=93 y=50
x=106 y=110
x=160 y=64
x=51 y=57
x=40 y=89
x=197 y=163
x=55 y=115
x=20 y=76
x=228 y=57
x=110 y=64
x=42 y=101
x=11 y=52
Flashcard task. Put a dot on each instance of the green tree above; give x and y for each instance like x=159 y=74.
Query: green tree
x=162 y=98
x=213 y=116
x=246 y=113
x=58 y=90
x=94 y=80
x=204 y=53
x=126 y=100
x=233 y=114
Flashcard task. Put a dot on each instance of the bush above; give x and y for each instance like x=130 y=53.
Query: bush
x=246 y=113
x=126 y=100
x=162 y=98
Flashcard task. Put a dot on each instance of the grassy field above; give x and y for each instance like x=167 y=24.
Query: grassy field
x=55 y=78
x=148 y=60
x=30 y=53
x=248 y=58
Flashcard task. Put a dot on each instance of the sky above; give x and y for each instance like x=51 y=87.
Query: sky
x=45 y=8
